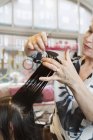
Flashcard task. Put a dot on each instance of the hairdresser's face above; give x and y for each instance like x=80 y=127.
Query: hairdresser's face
x=88 y=43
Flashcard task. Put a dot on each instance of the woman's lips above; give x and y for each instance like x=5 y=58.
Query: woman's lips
x=86 y=46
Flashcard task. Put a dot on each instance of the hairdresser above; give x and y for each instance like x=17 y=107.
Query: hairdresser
x=73 y=115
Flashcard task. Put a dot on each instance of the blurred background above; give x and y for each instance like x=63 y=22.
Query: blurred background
x=65 y=21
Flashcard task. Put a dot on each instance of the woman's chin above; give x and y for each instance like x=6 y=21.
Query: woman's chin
x=88 y=54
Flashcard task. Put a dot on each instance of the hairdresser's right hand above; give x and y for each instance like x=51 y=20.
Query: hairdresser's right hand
x=36 y=42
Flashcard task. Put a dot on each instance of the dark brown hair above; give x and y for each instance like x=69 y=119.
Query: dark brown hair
x=23 y=127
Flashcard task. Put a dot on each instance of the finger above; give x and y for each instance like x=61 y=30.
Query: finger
x=44 y=37
x=51 y=61
x=63 y=62
x=34 y=41
x=50 y=66
x=64 y=55
x=36 y=47
x=46 y=78
x=40 y=43
x=51 y=78
x=67 y=55
x=30 y=46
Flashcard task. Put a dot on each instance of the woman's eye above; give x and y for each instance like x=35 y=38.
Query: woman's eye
x=90 y=31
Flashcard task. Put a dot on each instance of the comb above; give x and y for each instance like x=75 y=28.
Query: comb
x=32 y=89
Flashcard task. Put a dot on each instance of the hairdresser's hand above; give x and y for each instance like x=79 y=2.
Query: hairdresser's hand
x=36 y=42
x=64 y=72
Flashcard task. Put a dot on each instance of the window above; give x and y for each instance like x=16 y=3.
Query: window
x=68 y=15
x=19 y=42
x=23 y=12
x=14 y=42
x=1 y=47
x=11 y=59
x=6 y=14
x=1 y=41
x=85 y=18
x=45 y=13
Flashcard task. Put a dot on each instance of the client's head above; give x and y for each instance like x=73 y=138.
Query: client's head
x=11 y=122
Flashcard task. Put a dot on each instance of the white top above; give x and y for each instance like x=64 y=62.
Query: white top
x=69 y=122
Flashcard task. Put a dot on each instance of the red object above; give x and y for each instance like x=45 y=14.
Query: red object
x=48 y=93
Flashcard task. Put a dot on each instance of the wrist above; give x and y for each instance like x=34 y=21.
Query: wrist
x=77 y=85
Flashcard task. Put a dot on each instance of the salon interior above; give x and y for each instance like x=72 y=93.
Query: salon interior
x=64 y=21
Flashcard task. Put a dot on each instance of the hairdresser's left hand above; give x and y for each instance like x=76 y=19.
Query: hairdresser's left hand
x=64 y=72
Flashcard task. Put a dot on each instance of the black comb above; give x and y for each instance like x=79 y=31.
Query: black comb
x=31 y=90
